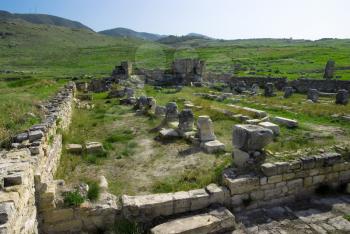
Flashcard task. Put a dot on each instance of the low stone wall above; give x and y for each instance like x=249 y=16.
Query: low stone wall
x=329 y=86
x=286 y=181
x=33 y=159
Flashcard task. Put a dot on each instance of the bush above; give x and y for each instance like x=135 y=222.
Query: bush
x=94 y=191
x=73 y=198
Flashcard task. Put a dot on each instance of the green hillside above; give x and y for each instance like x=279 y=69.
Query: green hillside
x=128 y=33
x=44 y=19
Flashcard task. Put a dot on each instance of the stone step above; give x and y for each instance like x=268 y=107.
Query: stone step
x=218 y=220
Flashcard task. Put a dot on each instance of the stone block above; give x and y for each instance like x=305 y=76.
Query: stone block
x=182 y=202
x=240 y=158
x=290 y=123
x=269 y=169
x=251 y=137
x=213 y=146
x=344 y=176
x=199 y=199
x=205 y=128
x=58 y=215
x=216 y=193
x=257 y=195
x=273 y=127
x=308 y=181
x=215 y=221
x=308 y=162
x=297 y=183
x=74 y=148
x=242 y=184
x=274 y=179
x=168 y=133
x=94 y=147
x=35 y=135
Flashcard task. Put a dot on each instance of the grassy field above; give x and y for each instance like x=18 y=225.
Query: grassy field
x=136 y=163
x=36 y=59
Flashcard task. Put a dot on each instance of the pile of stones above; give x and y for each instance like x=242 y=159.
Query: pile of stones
x=145 y=105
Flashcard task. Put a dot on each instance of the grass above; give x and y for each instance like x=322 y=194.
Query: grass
x=127 y=227
x=347 y=217
x=73 y=198
x=94 y=191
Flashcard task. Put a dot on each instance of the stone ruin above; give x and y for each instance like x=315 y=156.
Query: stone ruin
x=313 y=95
x=288 y=92
x=342 y=97
x=207 y=136
x=122 y=71
x=188 y=70
x=269 y=90
x=249 y=141
x=329 y=70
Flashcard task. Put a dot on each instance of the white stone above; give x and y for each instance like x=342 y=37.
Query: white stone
x=206 y=129
x=273 y=127
x=213 y=146
x=215 y=221
x=290 y=123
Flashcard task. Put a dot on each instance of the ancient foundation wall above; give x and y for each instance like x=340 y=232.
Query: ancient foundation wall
x=32 y=160
x=286 y=181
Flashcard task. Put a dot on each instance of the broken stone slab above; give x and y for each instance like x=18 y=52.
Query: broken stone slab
x=168 y=133
x=290 y=123
x=205 y=129
x=218 y=220
x=94 y=147
x=251 y=137
x=35 y=135
x=213 y=146
x=241 y=184
x=74 y=148
x=273 y=127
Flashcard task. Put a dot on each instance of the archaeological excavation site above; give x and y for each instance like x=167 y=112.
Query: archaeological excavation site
x=125 y=132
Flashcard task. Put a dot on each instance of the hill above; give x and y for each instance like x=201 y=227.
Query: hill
x=128 y=33
x=44 y=19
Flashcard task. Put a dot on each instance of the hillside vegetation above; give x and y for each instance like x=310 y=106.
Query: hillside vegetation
x=34 y=59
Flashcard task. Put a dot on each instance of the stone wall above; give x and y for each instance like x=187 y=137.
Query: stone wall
x=34 y=158
x=286 y=181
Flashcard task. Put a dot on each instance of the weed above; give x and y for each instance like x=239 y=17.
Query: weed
x=73 y=198
x=127 y=227
x=94 y=191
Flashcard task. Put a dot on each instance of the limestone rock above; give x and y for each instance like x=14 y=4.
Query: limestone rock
x=172 y=113
x=219 y=220
x=206 y=129
x=103 y=183
x=273 y=127
x=94 y=147
x=251 y=137
x=35 y=135
x=290 y=123
x=160 y=111
x=74 y=148
x=186 y=120
x=213 y=146
x=170 y=133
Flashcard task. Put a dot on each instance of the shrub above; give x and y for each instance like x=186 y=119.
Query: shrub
x=73 y=198
x=94 y=191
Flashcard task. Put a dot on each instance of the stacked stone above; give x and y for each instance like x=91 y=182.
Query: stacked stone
x=186 y=121
x=207 y=136
x=269 y=90
x=171 y=114
x=282 y=182
x=342 y=97
x=249 y=141
x=313 y=95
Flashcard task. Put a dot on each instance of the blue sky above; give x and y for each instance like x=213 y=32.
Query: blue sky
x=227 y=19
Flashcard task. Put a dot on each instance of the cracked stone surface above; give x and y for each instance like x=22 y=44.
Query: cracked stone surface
x=321 y=215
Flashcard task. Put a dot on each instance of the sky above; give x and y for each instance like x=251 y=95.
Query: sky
x=225 y=19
